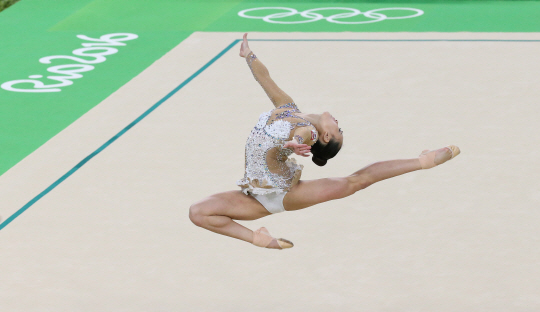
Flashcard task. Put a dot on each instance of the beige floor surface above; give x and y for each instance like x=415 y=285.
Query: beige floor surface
x=115 y=235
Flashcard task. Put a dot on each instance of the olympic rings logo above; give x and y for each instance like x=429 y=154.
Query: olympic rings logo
x=313 y=16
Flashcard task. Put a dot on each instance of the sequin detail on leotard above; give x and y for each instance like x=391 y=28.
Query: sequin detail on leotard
x=268 y=168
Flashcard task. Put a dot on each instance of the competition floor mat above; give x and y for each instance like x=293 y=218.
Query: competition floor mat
x=97 y=217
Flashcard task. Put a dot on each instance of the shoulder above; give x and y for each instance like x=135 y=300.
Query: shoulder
x=308 y=134
x=289 y=106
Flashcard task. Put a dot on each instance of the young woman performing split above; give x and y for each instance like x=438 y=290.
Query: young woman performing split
x=271 y=182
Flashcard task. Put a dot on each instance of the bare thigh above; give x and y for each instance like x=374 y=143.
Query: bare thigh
x=233 y=204
x=308 y=193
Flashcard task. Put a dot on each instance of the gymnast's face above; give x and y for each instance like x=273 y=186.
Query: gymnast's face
x=330 y=128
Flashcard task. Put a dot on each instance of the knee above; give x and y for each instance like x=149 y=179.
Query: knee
x=357 y=183
x=363 y=184
x=196 y=215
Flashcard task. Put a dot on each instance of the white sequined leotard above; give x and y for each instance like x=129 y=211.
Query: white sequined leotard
x=268 y=168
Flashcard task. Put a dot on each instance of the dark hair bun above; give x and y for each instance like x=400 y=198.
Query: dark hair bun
x=319 y=161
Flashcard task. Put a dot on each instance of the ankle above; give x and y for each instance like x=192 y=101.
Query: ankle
x=427 y=160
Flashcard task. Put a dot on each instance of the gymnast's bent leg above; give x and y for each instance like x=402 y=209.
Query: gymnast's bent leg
x=217 y=212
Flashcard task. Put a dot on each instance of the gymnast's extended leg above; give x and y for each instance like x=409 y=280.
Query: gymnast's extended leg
x=312 y=192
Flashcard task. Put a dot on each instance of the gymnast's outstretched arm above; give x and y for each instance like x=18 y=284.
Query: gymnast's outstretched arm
x=261 y=74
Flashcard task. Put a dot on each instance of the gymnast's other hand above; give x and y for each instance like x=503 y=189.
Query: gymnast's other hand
x=299 y=149
x=244 y=48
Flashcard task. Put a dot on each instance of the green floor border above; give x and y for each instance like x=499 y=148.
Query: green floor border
x=184 y=83
x=402 y=40
x=114 y=138
x=36 y=30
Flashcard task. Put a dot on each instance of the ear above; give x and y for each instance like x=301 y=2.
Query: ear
x=326 y=137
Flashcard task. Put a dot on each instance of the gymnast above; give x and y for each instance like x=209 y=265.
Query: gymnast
x=271 y=182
